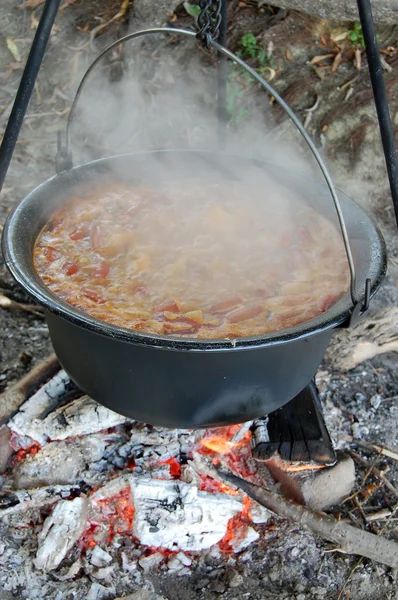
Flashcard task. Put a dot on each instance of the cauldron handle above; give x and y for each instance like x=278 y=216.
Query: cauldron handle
x=64 y=157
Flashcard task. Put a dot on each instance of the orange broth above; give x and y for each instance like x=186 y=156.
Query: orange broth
x=202 y=262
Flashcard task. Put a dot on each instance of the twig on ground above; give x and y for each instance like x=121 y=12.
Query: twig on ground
x=349 y=539
x=12 y=398
x=375 y=472
x=9 y=304
x=122 y=13
x=379 y=515
x=350 y=574
x=376 y=448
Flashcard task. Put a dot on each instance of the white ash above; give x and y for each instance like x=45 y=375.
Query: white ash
x=184 y=559
x=175 y=515
x=103 y=573
x=71 y=572
x=99 y=557
x=244 y=538
x=111 y=488
x=21 y=501
x=82 y=416
x=39 y=403
x=175 y=565
x=127 y=564
x=65 y=462
x=150 y=446
x=60 y=532
x=147 y=563
x=259 y=514
x=97 y=592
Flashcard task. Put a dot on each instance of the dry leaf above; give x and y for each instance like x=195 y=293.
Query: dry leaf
x=323 y=40
x=339 y=37
x=13 y=48
x=358 y=56
x=32 y=3
x=385 y=64
x=34 y=23
x=67 y=3
x=320 y=58
x=345 y=85
x=272 y=73
x=337 y=60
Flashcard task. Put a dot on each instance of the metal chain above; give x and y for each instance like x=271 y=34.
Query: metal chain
x=209 y=21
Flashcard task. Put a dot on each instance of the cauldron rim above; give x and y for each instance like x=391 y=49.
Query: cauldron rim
x=15 y=246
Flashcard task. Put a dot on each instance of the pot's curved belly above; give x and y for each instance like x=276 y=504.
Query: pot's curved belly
x=185 y=389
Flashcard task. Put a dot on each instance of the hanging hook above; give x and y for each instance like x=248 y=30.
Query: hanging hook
x=209 y=21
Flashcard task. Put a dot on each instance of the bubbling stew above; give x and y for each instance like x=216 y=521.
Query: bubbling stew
x=211 y=261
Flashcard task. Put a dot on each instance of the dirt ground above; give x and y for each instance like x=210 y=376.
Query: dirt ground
x=287 y=563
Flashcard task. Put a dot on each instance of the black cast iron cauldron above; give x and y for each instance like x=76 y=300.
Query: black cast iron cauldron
x=182 y=382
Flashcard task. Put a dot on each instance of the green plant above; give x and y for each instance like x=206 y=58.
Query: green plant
x=249 y=48
x=355 y=36
x=192 y=9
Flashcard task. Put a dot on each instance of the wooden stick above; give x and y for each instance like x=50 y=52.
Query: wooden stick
x=13 y=305
x=375 y=472
x=13 y=397
x=379 y=515
x=376 y=448
x=370 y=337
x=349 y=539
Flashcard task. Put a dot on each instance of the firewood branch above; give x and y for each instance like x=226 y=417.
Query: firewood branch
x=9 y=304
x=348 y=539
x=14 y=396
x=373 y=336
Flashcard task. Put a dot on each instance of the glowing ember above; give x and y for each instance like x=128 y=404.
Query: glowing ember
x=290 y=467
x=208 y=484
x=115 y=516
x=237 y=527
x=221 y=441
x=174 y=465
x=21 y=454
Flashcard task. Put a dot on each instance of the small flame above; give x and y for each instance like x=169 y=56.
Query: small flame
x=237 y=527
x=217 y=444
x=221 y=439
x=291 y=468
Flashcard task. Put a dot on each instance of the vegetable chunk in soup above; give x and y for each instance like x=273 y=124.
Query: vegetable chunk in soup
x=189 y=261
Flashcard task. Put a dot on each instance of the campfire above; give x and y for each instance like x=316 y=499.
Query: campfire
x=101 y=479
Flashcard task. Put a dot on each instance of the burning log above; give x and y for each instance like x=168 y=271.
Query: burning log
x=373 y=336
x=24 y=421
x=177 y=516
x=80 y=417
x=348 y=539
x=60 y=463
x=61 y=531
x=12 y=398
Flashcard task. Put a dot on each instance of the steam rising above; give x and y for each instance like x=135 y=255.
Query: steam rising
x=230 y=225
